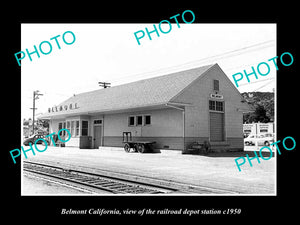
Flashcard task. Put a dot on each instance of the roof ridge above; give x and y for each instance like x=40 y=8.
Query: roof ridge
x=150 y=78
x=196 y=78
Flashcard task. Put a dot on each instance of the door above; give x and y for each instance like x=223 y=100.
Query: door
x=97 y=136
x=216 y=126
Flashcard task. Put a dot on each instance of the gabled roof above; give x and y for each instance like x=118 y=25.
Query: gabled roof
x=149 y=92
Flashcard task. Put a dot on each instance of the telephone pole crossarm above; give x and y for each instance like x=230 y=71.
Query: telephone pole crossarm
x=104 y=84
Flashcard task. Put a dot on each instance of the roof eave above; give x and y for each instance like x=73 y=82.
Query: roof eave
x=109 y=111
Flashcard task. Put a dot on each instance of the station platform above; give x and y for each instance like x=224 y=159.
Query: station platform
x=216 y=171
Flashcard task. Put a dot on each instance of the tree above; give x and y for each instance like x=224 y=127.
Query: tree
x=259 y=115
x=43 y=123
x=263 y=103
x=25 y=122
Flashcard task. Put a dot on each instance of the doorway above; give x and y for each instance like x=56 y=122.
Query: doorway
x=216 y=126
x=97 y=136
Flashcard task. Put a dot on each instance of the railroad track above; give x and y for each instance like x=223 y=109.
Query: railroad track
x=117 y=184
x=94 y=181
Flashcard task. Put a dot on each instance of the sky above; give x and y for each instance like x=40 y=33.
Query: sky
x=110 y=53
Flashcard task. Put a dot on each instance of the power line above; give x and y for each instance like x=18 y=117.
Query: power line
x=264 y=85
x=236 y=52
x=253 y=82
x=247 y=48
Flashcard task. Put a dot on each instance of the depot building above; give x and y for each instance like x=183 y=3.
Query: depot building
x=173 y=110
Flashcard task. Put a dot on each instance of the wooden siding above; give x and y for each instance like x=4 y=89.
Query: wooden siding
x=198 y=95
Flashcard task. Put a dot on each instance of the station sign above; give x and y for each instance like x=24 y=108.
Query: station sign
x=63 y=108
x=216 y=96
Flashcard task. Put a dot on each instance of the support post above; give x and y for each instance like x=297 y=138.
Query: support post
x=183 y=122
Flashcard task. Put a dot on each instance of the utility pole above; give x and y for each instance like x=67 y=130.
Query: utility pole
x=104 y=84
x=36 y=95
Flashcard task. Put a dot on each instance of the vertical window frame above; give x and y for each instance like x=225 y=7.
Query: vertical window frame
x=216 y=85
x=145 y=120
x=212 y=105
x=84 y=128
x=129 y=121
x=77 y=128
x=69 y=126
x=137 y=120
x=72 y=128
x=217 y=106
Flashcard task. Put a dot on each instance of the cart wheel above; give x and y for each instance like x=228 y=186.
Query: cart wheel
x=206 y=146
x=127 y=147
x=141 y=148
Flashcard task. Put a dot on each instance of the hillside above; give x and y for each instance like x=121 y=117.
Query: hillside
x=263 y=103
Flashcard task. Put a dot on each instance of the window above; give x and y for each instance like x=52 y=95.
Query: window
x=212 y=105
x=59 y=126
x=216 y=85
x=219 y=106
x=77 y=128
x=216 y=106
x=62 y=125
x=139 y=120
x=97 y=121
x=68 y=126
x=72 y=128
x=147 y=120
x=84 y=128
x=131 y=121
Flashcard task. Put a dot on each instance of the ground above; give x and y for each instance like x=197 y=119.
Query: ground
x=215 y=170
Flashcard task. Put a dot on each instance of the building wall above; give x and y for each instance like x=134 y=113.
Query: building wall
x=75 y=141
x=166 y=124
x=197 y=115
x=165 y=128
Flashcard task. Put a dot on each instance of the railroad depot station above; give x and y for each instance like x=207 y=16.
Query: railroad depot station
x=173 y=110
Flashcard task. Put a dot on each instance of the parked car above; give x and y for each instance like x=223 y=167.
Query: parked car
x=33 y=138
x=261 y=139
